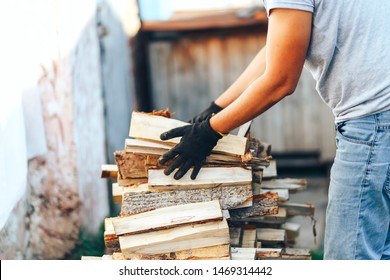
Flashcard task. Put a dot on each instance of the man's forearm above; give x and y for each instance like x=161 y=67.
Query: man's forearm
x=253 y=71
x=256 y=99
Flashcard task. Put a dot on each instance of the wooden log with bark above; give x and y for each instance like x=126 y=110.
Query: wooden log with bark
x=138 y=199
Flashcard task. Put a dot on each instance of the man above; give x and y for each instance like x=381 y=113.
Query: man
x=344 y=44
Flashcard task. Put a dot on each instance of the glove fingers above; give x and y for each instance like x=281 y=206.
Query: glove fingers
x=175 y=164
x=168 y=156
x=196 y=170
x=173 y=133
x=183 y=170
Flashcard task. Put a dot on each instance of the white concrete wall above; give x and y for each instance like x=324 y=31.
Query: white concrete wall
x=52 y=125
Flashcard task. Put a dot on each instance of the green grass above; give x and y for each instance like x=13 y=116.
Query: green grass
x=88 y=245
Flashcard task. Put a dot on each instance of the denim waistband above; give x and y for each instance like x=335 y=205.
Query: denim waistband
x=377 y=119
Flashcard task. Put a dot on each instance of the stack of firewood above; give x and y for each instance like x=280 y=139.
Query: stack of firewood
x=236 y=208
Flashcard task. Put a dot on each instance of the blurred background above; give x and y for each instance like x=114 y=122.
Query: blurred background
x=73 y=71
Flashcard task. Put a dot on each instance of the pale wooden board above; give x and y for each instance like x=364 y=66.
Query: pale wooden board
x=146 y=147
x=139 y=198
x=149 y=147
x=209 y=177
x=238 y=253
x=296 y=254
x=168 y=217
x=271 y=236
x=292 y=184
x=263 y=204
x=298 y=209
x=109 y=171
x=176 y=239
x=270 y=171
x=268 y=253
x=150 y=127
x=111 y=240
x=283 y=194
x=249 y=238
x=117 y=192
x=218 y=252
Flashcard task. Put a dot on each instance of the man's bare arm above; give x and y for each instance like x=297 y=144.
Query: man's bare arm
x=253 y=71
x=287 y=42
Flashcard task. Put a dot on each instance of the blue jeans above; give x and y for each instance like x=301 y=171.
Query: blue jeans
x=358 y=211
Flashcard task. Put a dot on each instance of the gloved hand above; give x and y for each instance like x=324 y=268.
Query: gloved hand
x=197 y=142
x=209 y=111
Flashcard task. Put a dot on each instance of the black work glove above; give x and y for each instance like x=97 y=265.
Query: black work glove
x=209 y=111
x=197 y=142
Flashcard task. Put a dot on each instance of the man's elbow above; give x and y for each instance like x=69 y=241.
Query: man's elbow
x=286 y=87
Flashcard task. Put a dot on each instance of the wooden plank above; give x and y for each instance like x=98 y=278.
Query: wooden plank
x=146 y=126
x=153 y=148
x=219 y=252
x=117 y=192
x=274 y=220
x=176 y=239
x=296 y=254
x=283 y=194
x=271 y=237
x=291 y=184
x=111 y=240
x=140 y=199
x=109 y=171
x=263 y=204
x=209 y=177
x=249 y=238
x=298 y=209
x=168 y=217
x=268 y=253
x=130 y=165
x=131 y=181
x=238 y=253
x=292 y=231
x=270 y=171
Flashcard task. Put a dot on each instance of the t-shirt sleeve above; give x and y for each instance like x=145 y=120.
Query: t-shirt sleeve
x=305 y=5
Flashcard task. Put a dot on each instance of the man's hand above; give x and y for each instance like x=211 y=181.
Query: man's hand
x=209 y=111
x=197 y=142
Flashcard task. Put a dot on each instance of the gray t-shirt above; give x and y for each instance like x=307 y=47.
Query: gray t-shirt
x=349 y=53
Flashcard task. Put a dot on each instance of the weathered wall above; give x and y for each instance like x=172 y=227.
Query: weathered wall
x=64 y=190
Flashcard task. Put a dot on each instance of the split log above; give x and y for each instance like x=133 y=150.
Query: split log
x=131 y=165
x=209 y=177
x=292 y=231
x=249 y=238
x=270 y=171
x=147 y=126
x=111 y=240
x=268 y=253
x=219 y=252
x=243 y=253
x=298 y=209
x=296 y=254
x=175 y=239
x=152 y=148
x=140 y=199
x=291 y=184
x=168 y=217
x=270 y=237
x=263 y=204
x=283 y=194
x=109 y=171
